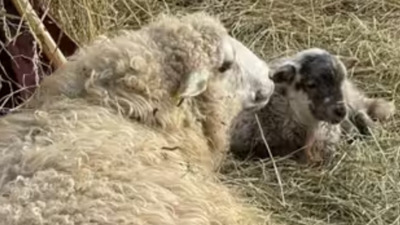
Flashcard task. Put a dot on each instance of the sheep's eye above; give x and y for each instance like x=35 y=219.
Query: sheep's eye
x=226 y=65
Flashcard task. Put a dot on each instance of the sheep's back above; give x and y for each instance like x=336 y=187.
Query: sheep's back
x=88 y=165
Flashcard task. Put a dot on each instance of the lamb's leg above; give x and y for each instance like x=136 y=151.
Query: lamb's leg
x=364 y=110
x=379 y=109
x=312 y=150
x=318 y=150
x=308 y=148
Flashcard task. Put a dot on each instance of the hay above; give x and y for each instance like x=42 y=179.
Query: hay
x=363 y=185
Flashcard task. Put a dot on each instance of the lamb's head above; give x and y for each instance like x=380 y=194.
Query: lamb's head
x=313 y=81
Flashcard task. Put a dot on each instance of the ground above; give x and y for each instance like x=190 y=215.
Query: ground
x=363 y=184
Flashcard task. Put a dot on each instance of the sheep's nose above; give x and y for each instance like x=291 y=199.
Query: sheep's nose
x=339 y=110
x=262 y=95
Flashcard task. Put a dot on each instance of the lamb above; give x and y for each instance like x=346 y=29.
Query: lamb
x=131 y=130
x=313 y=104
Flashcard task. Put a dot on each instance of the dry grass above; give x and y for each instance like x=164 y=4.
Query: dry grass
x=363 y=186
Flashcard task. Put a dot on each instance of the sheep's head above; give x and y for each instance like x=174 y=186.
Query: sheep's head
x=313 y=81
x=255 y=85
x=145 y=74
x=243 y=73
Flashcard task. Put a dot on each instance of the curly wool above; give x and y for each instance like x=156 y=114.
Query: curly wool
x=102 y=141
x=136 y=73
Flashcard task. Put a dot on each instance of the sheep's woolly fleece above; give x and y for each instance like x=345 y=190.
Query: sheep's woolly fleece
x=102 y=142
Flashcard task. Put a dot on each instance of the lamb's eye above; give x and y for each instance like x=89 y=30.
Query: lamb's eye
x=311 y=85
x=226 y=65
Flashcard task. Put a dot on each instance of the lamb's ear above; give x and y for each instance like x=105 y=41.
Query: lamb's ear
x=284 y=74
x=195 y=84
x=348 y=62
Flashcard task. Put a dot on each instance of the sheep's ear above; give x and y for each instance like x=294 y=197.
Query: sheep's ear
x=284 y=74
x=228 y=50
x=195 y=84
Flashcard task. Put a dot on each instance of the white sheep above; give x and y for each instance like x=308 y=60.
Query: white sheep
x=131 y=130
x=313 y=103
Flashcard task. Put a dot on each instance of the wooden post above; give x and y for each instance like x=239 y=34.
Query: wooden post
x=40 y=33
